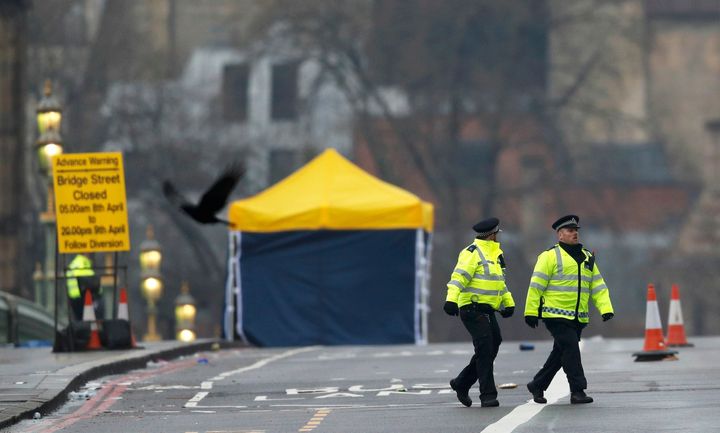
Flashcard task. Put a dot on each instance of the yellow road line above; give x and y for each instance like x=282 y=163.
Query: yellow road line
x=315 y=421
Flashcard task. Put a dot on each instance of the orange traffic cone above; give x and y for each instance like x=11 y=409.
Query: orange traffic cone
x=676 y=329
x=124 y=314
x=89 y=316
x=654 y=348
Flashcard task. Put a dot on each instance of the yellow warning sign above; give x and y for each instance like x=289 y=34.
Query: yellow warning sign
x=90 y=202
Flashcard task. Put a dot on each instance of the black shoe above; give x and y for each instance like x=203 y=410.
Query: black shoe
x=580 y=398
x=537 y=394
x=489 y=403
x=462 y=394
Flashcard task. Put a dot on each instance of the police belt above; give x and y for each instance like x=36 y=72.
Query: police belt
x=481 y=308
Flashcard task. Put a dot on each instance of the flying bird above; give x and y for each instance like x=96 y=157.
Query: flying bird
x=212 y=201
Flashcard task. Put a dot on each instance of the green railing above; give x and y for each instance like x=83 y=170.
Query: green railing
x=23 y=322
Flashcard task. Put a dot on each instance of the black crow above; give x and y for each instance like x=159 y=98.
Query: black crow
x=212 y=201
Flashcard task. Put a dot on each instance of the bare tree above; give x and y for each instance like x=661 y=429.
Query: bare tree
x=474 y=81
x=459 y=64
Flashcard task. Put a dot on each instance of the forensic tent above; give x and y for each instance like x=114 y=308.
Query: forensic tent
x=329 y=255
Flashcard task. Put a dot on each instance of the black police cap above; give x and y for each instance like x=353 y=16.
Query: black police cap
x=487 y=227
x=567 y=222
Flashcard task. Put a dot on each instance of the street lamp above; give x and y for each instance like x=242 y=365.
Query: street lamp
x=151 y=284
x=49 y=112
x=48 y=145
x=49 y=117
x=185 y=312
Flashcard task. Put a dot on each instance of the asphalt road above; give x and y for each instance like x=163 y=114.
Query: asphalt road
x=394 y=389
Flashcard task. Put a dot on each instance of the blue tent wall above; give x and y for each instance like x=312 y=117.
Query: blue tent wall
x=328 y=287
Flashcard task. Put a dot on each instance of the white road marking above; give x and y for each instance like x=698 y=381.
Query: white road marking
x=339 y=395
x=265 y=398
x=194 y=401
x=263 y=362
x=361 y=388
x=521 y=414
x=323 y=390
x=387 y=393
x=430 y=386
x=357 y=406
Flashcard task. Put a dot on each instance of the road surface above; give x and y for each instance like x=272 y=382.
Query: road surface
x=394 y=389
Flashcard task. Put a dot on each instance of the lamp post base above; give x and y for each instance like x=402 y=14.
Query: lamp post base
x=151 y=337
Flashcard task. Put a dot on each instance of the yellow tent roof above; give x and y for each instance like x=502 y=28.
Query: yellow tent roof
x=330 y=192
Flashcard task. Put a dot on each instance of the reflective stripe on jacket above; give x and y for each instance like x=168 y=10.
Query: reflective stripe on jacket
x=81 y=266
x=479 y=277
x=564 y=289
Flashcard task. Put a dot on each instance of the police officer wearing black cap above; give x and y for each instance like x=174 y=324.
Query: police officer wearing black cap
x=564 y=280
x=476 y=290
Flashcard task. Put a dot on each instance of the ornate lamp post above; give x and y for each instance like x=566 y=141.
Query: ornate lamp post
x=48 y=145
x=185 y=312
x=151 y=281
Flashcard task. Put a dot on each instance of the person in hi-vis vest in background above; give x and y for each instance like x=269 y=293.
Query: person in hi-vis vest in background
x=563 y=282
x=82 y=266
x=475 y=291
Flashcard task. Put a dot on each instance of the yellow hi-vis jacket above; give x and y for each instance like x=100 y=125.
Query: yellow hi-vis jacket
x=479 y=277
x=559 y=289
x=81 y=266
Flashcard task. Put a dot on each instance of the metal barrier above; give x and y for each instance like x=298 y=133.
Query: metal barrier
x=23 y=322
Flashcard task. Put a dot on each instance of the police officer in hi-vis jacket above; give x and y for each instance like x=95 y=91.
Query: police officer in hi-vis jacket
x=476 y=290
x=563 y=282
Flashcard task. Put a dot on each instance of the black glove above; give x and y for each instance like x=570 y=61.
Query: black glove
x=507 y=312
x=451 y=308
x=607 y=316
x=532 y=321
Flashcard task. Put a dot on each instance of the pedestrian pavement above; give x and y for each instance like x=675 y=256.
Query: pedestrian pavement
x=38 y=380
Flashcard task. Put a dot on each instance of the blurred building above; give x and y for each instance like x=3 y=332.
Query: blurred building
x=273 y=111
x=15 y=268
x=663 y=93
x=636 y=83
x=175 y=84
x=186 y=83
x=665 y=59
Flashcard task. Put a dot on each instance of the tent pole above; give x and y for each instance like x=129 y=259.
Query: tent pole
x=425 y=288
x=419 y=286
x=229 y=322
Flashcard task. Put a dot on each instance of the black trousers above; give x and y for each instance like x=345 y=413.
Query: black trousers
x=480 y=321
x=565 y=354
